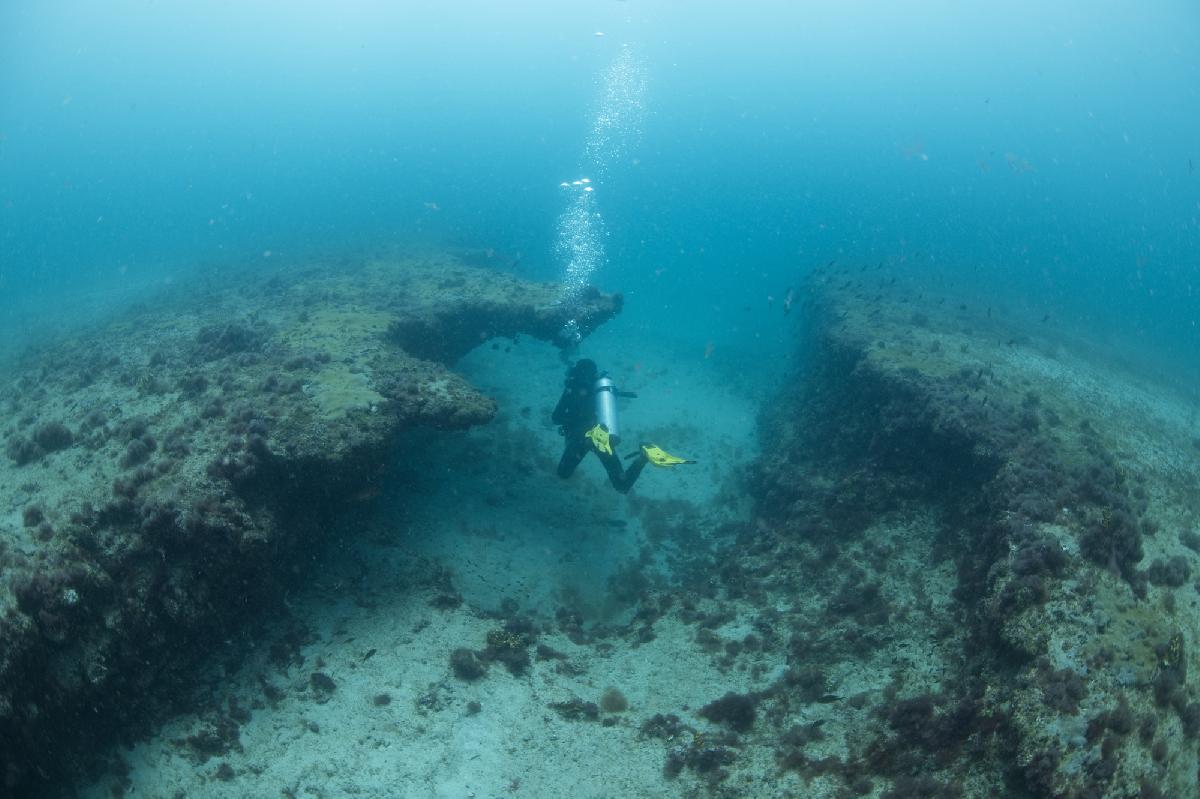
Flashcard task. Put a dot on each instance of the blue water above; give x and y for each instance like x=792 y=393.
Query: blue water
x=1044 y=159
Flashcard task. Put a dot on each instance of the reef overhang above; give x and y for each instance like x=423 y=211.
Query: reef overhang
x=162 y=471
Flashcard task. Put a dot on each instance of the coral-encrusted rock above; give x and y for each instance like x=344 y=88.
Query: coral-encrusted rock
x=432 y=330
x=273 y=399
x=1055 y=477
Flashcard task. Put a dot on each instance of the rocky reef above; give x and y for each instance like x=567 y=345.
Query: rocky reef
x=988 y=544
x=164 y=473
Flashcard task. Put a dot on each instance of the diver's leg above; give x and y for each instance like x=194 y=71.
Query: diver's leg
x=635 y=470
x=622 y=479
x=572 y=454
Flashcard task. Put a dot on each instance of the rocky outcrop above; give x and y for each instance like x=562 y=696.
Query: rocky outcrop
x=164 y=472
x=1059 y=495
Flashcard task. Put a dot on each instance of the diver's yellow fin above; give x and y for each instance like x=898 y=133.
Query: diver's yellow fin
x=659 y=457
x=599 y=438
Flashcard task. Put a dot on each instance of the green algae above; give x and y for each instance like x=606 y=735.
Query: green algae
x=336 y=332
x=338 y=391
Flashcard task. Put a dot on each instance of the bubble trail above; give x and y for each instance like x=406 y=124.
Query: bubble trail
x=616 y=128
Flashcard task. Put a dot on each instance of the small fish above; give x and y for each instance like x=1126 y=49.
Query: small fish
x=620 y=523
x=366 y=494
x=1045 y=318
x=708 y=349
x=788 y=299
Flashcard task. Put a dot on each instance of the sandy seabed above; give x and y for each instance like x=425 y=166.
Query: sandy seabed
x=480 y=516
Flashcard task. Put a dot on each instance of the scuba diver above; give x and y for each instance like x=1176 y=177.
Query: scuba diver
x=586 y=416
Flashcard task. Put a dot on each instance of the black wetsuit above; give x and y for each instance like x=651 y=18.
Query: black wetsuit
x=575 y=415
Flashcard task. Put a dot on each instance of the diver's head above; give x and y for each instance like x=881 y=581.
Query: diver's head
x=583 y=373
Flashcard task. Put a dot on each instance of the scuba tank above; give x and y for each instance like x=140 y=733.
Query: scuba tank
x=605 y=391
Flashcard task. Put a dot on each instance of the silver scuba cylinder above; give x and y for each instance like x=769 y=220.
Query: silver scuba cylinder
x=606 y=405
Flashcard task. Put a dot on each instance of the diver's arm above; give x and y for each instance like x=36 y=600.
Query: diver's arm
x=560 y=410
